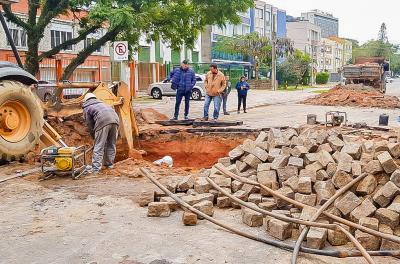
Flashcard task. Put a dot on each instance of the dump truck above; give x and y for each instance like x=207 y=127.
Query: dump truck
x=368 y=71
x=22 y=123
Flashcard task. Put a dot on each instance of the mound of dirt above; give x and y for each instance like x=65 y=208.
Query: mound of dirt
x=354 y=95
x=149 y=116
x=73 y=130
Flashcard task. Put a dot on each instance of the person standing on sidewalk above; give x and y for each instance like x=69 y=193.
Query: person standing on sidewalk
x=242 y=88
x=103 y=122
x=225 y=95
x=183 y=80
x=215 y=84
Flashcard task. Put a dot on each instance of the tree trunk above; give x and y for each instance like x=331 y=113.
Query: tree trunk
x=84 y=54
x=32 y=55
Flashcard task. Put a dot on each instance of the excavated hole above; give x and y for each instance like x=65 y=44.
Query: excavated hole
x=191 y=150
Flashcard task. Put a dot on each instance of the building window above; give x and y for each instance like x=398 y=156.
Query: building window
x=246 y=29
x=267 y=18
x=259 y=13
x=59 y=37
x=90 y=41
x=18 y=35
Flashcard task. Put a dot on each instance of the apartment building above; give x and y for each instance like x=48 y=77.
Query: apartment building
x=268 y=19
x=63 y=28
x=306 y=37
x=327 y=22
x=211 y=35
x=263 y=19
x=347 y=47
x=331 y=56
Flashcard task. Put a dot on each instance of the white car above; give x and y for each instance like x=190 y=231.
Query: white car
x=160 y=89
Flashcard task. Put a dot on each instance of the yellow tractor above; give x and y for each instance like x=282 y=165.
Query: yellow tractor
x=22 y=125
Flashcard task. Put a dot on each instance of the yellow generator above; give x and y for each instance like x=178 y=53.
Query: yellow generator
x=63 y=161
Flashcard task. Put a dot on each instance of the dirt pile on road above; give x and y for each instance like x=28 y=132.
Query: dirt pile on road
x=355 y=96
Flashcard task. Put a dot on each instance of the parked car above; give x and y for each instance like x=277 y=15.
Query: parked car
x=160 y=89
x=45 y=90
x=389 y=80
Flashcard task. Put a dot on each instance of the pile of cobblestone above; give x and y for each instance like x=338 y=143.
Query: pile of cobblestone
x=308 y=165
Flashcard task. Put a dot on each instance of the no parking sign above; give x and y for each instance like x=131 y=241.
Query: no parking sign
x=120 y=50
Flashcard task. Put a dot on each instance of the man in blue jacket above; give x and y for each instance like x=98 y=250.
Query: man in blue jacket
x=183 y=80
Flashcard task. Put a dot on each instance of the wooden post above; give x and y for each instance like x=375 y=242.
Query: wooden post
x=100 y=72
x=58 y=70
x=157 y=72
x=132 y=79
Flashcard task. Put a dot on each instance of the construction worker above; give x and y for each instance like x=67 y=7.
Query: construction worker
x=103 y=124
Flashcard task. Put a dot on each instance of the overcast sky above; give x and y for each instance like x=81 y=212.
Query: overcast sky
x=358 y=19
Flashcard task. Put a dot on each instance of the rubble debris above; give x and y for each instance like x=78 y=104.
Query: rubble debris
x=310 y=172
x=158 y=209
x=355 y=96
x=189 y=219
x=279 y=229
x=316 y=237
x=146 y=197
x=251 y=218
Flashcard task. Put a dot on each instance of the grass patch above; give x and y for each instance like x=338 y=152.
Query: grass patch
x=293 y=88
x=320 y=91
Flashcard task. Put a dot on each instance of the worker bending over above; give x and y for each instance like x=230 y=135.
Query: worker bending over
x=103 y=124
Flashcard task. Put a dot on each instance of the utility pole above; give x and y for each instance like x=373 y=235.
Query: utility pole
x=273 y=73
x=323 y=52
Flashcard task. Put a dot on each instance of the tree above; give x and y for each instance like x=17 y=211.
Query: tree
x=254 y=46
x=175 y=21
x=295 y=68
x=382 y=35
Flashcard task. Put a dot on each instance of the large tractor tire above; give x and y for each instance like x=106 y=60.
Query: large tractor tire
x=21 y=120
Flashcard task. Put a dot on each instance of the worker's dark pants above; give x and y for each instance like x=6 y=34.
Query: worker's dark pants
x=242 y=99
x=179 y=96
x=105 y=141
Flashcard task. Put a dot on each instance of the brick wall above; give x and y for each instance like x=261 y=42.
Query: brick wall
x=260 y=84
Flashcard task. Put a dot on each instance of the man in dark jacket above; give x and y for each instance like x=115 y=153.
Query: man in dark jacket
x=103 y=124
x=183 y=80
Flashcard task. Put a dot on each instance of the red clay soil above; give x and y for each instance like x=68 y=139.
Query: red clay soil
x=73 y=131
x=188 y=150
x=356 y=96
x=149 y=116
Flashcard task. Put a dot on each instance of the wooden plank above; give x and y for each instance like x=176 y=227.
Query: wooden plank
x=217 y=123
x=188 y=122
x=222 y=129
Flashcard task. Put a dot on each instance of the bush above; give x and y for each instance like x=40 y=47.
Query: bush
x=322 y=78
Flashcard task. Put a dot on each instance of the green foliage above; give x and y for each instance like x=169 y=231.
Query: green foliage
x=375 y=48
x=175 y=21
x=295 y=69
x=254 y=46
x=322 y=78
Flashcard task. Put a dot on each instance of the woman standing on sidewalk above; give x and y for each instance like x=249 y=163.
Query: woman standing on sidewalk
x=242 y=87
